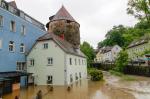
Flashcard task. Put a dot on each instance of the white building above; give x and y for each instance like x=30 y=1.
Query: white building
x=53 y=60
x=108 y=54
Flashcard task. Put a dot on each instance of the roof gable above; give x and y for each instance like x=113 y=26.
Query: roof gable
x=66 y=46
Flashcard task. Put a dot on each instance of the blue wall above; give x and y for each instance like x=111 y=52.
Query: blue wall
x=8 y=59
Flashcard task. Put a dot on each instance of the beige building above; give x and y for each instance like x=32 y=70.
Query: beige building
x=136 y=49
x=108 y=54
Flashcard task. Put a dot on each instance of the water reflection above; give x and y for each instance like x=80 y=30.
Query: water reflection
x=84 y=89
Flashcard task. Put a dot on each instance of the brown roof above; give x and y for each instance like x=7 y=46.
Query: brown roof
x=141 y=41
x=63 y=14
x=66 y=46
x=12 y=3
x=106 y=49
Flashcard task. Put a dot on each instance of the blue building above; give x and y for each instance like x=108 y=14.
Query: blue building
x=18 y=33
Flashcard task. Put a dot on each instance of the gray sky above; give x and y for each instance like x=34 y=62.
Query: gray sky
x=96 y=17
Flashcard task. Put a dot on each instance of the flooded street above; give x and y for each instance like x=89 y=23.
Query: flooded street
x=111 y=88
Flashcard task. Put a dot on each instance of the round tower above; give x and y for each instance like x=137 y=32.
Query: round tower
x=64 y=25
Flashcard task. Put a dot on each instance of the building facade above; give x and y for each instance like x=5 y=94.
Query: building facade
x=136 y=50
x=56 y=56
x=18 y=33
x=108 y=54
x=54 y=61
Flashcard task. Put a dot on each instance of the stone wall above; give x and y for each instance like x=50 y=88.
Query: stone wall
x=68 y=28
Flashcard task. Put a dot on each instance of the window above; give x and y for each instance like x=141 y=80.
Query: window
x=0 y=44
x=70 y=61
x=22 y=48
x=50 y=61
x=71 y=78
x=21 y=66
x=32 y=62
x=49 y=79
x=75 y=61
x=45 y=45
x=23 y=30
x=1 y=20
x=11 y=46
x=12 y=26
x=79 y=61
x=76 y=76
x=80 y=74
x=82 y=62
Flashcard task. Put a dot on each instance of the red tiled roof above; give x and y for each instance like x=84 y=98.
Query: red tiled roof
x=63 y=14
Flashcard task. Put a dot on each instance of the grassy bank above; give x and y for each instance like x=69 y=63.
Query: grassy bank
x=123 y=76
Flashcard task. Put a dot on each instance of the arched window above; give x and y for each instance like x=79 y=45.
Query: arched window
x=22 y=48
x=11 y=46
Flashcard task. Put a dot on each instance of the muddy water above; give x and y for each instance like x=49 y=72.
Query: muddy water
x=112 y=88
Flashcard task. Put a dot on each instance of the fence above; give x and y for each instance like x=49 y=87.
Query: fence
x=129 y=69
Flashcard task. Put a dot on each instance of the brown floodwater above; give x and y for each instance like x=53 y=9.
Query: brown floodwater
x=111 y=88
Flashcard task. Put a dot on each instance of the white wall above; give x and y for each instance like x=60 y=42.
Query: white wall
x=72 y=69
x=41 y=70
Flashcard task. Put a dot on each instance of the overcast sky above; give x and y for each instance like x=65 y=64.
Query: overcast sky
x=96 y=17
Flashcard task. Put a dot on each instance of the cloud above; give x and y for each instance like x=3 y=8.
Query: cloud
x=96 y=17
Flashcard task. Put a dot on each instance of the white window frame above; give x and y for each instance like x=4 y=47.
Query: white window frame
x=70 y=61
x=50 y=61
x=50 y=79
x=12 y=26
x=23 y=30
x=32 y=62
x=21 y=66
x=75 y=61
x=22 y=48
x=45 y=45
x=11 y=45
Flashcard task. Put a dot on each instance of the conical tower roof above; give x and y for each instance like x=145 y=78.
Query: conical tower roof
x=63 y=14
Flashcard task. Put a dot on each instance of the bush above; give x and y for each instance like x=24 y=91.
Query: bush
x=121 y=62
x=96 y=75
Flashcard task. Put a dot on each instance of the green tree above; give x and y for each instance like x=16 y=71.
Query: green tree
x=88 y=50
x=140 y=9
x=121 y=61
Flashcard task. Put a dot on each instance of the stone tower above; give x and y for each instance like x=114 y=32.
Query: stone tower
x=65 y=26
